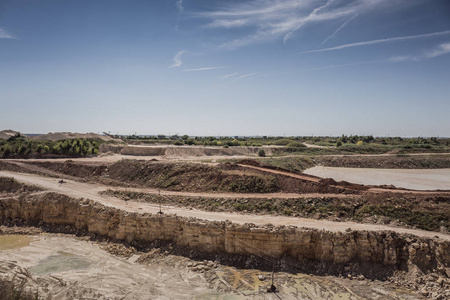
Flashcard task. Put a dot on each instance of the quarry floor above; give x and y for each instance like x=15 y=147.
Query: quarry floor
x=68 y=267
x=410 y=179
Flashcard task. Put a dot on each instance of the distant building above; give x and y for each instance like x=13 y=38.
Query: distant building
x=175 y=137
x=161 y=136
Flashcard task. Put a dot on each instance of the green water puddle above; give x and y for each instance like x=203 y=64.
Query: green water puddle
x=61 y=263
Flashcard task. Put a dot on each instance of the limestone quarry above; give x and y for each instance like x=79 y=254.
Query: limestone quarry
x=164 y=223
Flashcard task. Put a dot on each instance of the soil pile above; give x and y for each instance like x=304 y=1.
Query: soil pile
x=57 y=136
x=188 y=177
x=6 y=134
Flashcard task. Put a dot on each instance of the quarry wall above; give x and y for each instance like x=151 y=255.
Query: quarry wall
x=380 y=248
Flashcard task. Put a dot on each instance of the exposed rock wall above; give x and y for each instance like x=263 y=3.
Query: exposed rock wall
x=386 y=249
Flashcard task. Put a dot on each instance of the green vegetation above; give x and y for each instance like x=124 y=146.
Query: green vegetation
x=19 y=147
x=261 y=152
x=352 y=144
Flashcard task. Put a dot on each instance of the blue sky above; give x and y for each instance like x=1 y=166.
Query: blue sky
x=210 y=67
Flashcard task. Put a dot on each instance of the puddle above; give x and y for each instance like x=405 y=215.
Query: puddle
x=9 y=242
x=60 y=263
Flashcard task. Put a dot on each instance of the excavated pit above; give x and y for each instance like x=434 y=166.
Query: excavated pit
x=374 y=254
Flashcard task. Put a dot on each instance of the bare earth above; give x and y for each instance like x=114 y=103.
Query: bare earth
x=423 y=179
x=65 y=267
x=91 y=191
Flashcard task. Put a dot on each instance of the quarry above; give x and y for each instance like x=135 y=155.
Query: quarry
x=199 y=222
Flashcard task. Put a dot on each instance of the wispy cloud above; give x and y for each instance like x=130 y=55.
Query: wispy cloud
x=244 y=76
x=226 y=23
x=229 y=75
x=442 y=49
x=380 y=41
x=6 y=35
x=305 y=20
x=177 y=59
x=180 y=6
x=345 y=23
x=402 y=58
x=203 y=69
x=268 y=19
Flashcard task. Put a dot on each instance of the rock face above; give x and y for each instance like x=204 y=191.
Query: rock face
x=386 y=250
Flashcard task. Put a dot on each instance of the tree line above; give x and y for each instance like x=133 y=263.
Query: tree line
x=18 y=146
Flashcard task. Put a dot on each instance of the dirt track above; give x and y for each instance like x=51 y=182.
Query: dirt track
x=91 y=191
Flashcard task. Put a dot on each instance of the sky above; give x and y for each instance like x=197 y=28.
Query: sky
x=226 y=67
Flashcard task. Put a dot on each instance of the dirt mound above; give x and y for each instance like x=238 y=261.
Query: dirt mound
x=56 y=136
x=183 y=151
x=71 y=168
x=10 y=185
x=6 y=134
x=249 y=162
x=188 y=177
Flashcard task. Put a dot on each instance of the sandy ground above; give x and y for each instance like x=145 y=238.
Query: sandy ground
x=423 y=179
x=66 y=267
x=91 y=191
x=74 y=269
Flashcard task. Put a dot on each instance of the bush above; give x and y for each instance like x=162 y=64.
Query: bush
x=261 y=152
x=359 y=143
x=282 y=142
x=338 y=143
x=190 y=141
x=295 y=145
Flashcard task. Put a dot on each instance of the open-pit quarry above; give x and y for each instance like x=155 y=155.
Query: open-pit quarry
x=148 y=224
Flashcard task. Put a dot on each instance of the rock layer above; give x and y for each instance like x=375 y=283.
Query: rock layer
x=298 y=246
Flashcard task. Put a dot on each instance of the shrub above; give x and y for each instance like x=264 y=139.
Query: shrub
x=295 y=145
x=261 y=152
x=360 y=143
x=282 y=142
x=190 y=141
x=338 y=143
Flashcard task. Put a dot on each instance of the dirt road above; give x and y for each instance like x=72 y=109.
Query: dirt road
x=303 y=177
x=91 y=191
